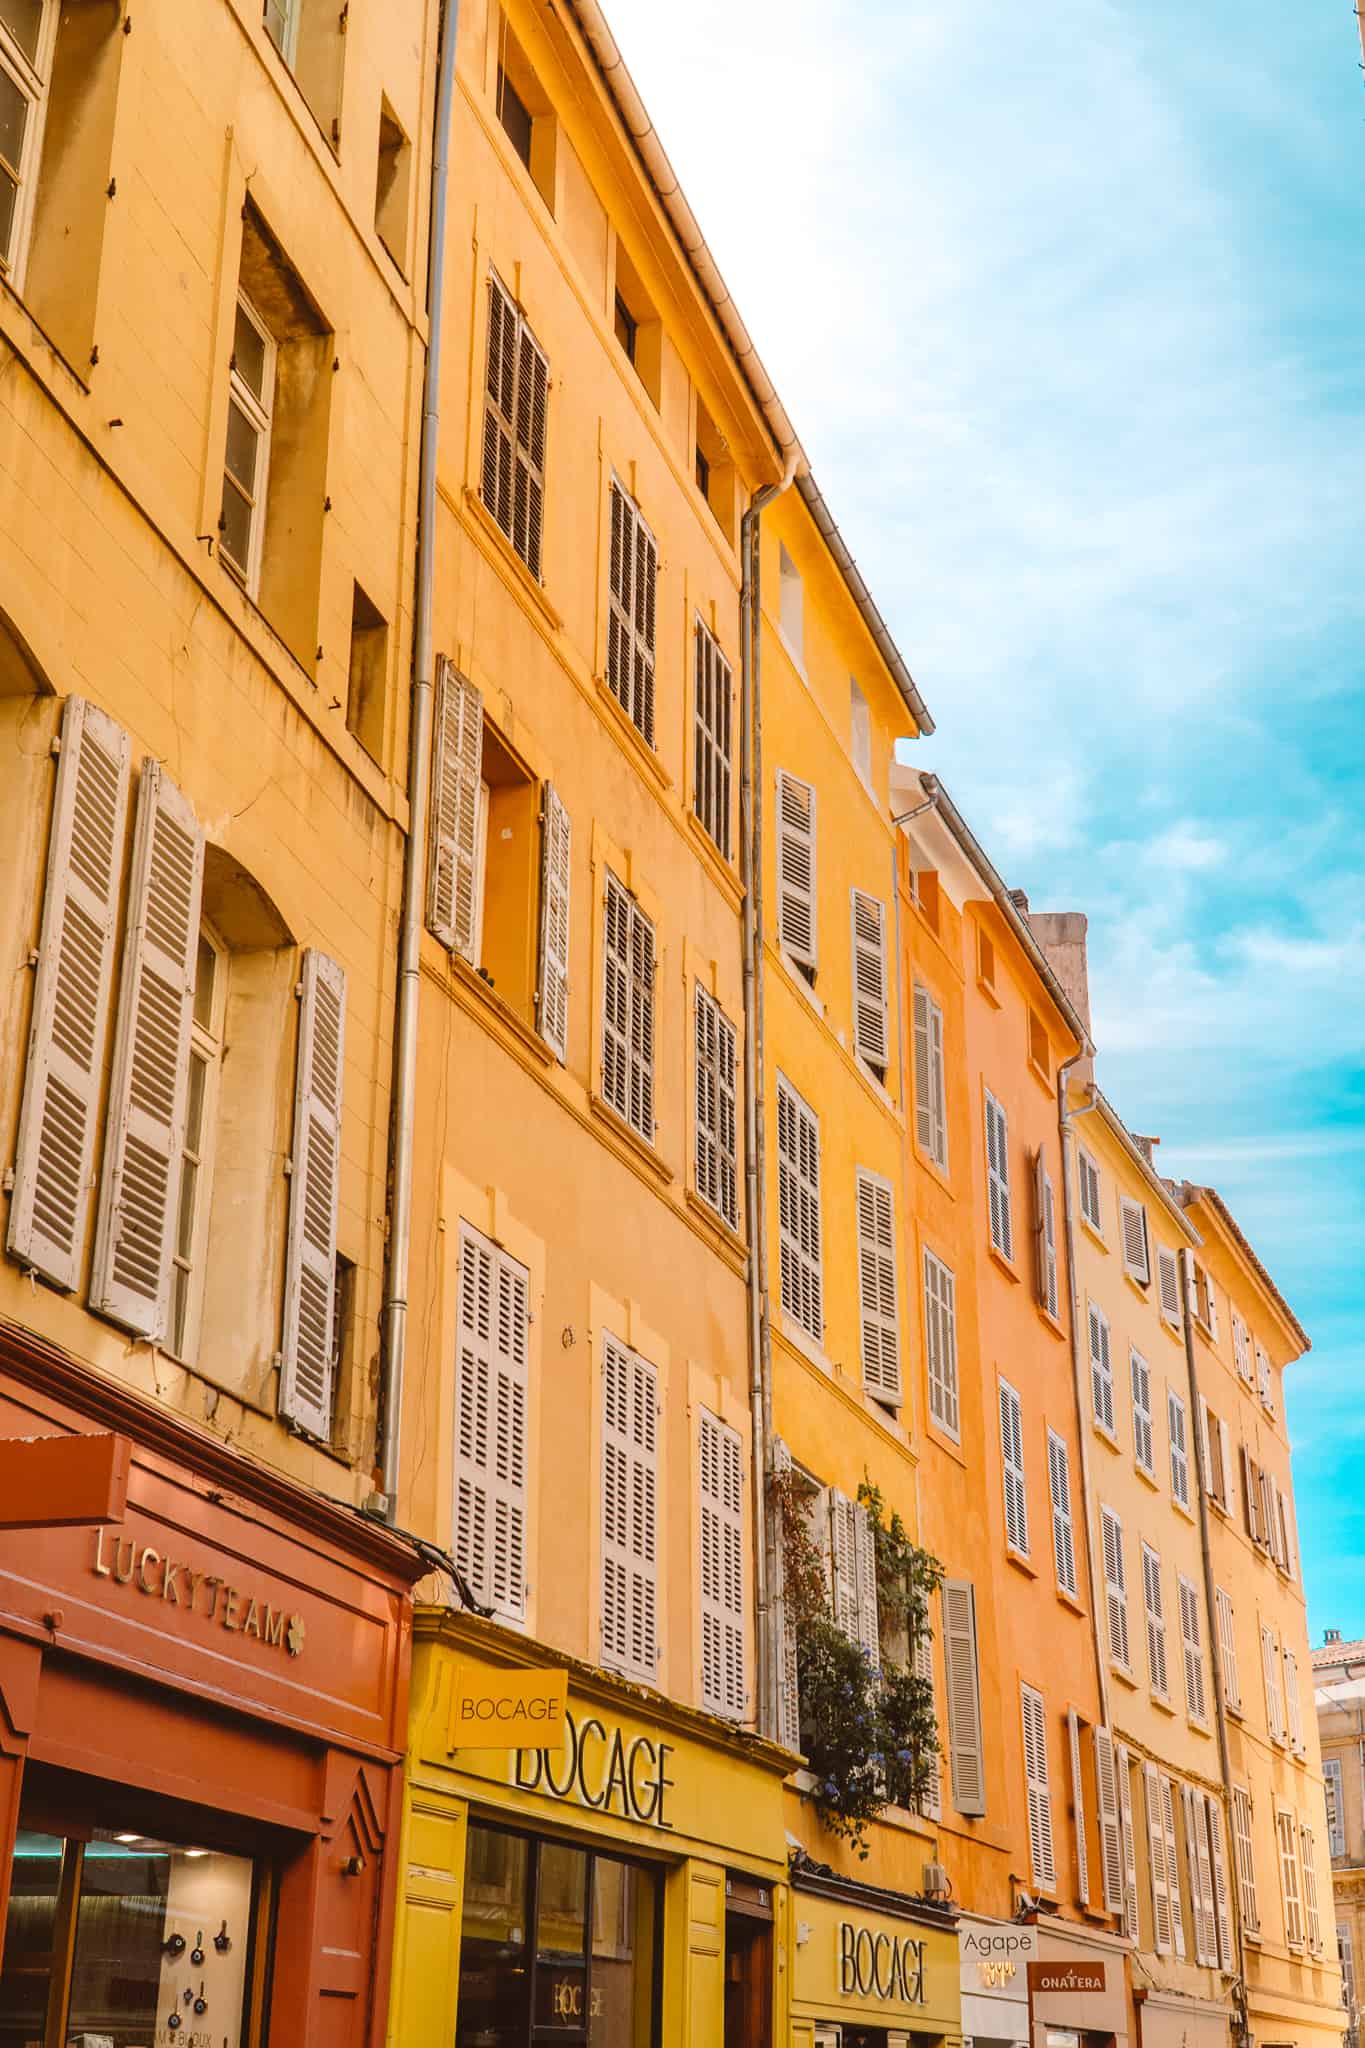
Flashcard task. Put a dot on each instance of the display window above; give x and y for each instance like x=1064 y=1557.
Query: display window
x=558 y=1943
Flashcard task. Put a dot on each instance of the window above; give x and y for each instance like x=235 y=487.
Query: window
x=1312 y=1918
x=1115 y=1587
x=1180 y=1450
x=628 y=971
x=723 y=1686
x=638 y=328
x=940 y=1343
x=701 y=471
x=1241 y=1348
x=1142 y=1413
x=796 y=919
x=1245 y=1857
x=1101 y=1369
x=1039 y=1050
x=1136 y=1256
x=1045 y=1208
x=1293 y=1704
x=1205 y=1301
x=630 y=623
x=1168 y=1287
x=792 y=613
x=1286 y=1835
x=246 y=468
x=630 y=1512
x=491 y=1396
x=1196 y=1703
x=966 y=1757
x=366 y=686
x=392 y=186
x=516 y=404
x=717 y=1139
x=715 y=470
x=1113 y=1796
x=878 y=1300
x=1216 y=1444
x=1336 y=1807
x=1346 y=1958
x=1227 y=1649
x=515 y=117
x=282 y=24
x=712 y=753
x=27 y=31
x=1012 y=1458
x=1073 y=1743
x=985 y=959
x=860 y=730
x=191 y=1227
x=1156 y=1623
x=853 y=1573
x=1063 y=1534
x=1265 y=1381
x=1274 y=1702
x=870 y=1026
x=798 y=1207
x=1166 y=1798
x=1213 y=1815
x=1203 y=1906
x=1039 y=1796
x=1089 y=1176
x=525 y=113
x=931 y=1113
x=626 y=327
x=998 y=1177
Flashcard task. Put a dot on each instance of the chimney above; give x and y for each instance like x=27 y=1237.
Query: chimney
x=1146 y=1146
x=1331 y=1635
x=1019 y=898
x=1061 y=935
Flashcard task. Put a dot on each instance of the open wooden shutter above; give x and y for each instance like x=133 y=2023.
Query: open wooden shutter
x=870 y=1026
x=788 y=1731
x=998 y=1178
x=306 y=1390
x=722 y=1566
x=1201 y=1878
x=552 y=987
x=1108 y=1800
x=491 y=1425
x=66 y=1041
x=1293 y=1705
x=931 y=1798
x=1127 y=1842
x=965 y=1754
x=1156 y=1859
x=1136 y=1260
x=528 y=500
x=630 y=1527
x=796 y=918
x=456 y=768
x=1191 y=1639
x=1227 y=1646
x=130 y=1279
x=853 y=1572
x=1073 y=1731
x=1213 y=1815
x=1045 y=1212
x=1039 y=1795
x=1172 y=1866
x=1312 y=1918
x=1270 y=1664
x=1156 y=1622
x=877 y=1293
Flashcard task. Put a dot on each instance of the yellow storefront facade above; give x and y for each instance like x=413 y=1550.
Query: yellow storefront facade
x=870 y=1969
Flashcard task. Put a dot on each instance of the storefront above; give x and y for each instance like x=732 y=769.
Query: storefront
x=1168 y=2019
x=1078 y=1987
x=870 y=1969
x=201 y=1717
x=993 y=1960
x=623 y=1886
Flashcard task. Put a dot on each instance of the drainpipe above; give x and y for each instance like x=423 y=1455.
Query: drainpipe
x=766 y=1564
x=1240 y=2026
x=1066 y=1117
x=394 y=1313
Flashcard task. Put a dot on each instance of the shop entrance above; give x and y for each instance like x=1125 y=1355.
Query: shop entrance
x=748 y=1981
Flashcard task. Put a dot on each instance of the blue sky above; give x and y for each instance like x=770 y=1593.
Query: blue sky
x=1068 y=303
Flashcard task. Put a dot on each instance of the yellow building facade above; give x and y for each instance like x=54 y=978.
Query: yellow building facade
x=1337 y=1671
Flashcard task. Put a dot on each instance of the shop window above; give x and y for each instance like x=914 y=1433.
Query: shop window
x=639 y=329
x=310 y=35
x=556 y=1941
x=365 y=692
x=525 y=113
x=392 y=186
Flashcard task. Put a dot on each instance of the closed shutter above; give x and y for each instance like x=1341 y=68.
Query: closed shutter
x=931 y=1113
x=853 y=1573
x=1293 y=1706
x=1128 y=1841
x=1073 y=1732
x=1156 y=1622
x=796 y=920
x=1141 y=1377
x=1287 y=1838
x=456 y=769
x=865 y=1580
x=940 y=1342
x=306 y=1350
x=1201 y=1879
x=66 y=1042
x=713 y=694
x=962 y=1670
x=1227 y=1647
x=528 y=500
x=877 y=1294
x=630 y=1507
x=722 y=1567
x=1195 y=1700
x=633 y=597
x=500 y=403
x=1312 y=1918
x=1270 y=1665
x=1115 y=1587
x=1063 y=1533
x=798 y=1210
x=646 y=606
x=491 y=1402
x=1213 y=1814
x=1251 y=1494
x=1264 y=1381
x=870 y=1027
x=130 y=1279
x=1168 y=1287
x=717 y=1169
x=1012 y=1458
x=1089 y=1176
x=1180 y=1457
x=1225 y=1462
x=1045 y=1208
x=998 y=1177
x=1039 y=1796
x=1156 y=1858
x=1136 y=1260
x=1244 y=1849
x=1101 y=1368
x=1241 y=1347
x=1172 y=1867
x=628 y=978
x=1109 y=1798
x=931 y=1798
x=788 y=1687
x=552 y=983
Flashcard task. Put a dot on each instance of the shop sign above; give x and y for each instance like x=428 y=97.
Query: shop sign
x=1052 y=1978
x=207 y=1595
x=610 y=1772
x=992 y=1956
x=875 y=1964
x=507 y=1710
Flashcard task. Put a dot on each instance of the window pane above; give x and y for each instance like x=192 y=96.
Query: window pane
x=23 y=19
x=13 y=120
x=493 y=1959
x=248 y=355
x=29 y=1937
x=206 y=969
x=189 y=1177
x=623 y=1907
x=234 y=537
x=561 y=1931
x=9 y=193
x=242 y=444
x=194 y=1106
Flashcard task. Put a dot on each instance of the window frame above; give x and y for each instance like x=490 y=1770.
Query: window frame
x=260 y=417
x=32 y=78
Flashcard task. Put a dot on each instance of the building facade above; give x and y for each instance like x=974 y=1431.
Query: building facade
x=1338 y=1668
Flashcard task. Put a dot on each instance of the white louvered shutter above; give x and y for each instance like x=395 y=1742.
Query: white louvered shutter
x=1156 y=1858
x=1063 y=1532
x=853 y=1573
x=1312 y=1918
x=865 y=1580
x=998 y=1177
x=1140 y=1376
x=1213 y=1815
x=1200 y=1867
x=1172 y=1866
x=630 y=1509
x=788 y=1685
x=1089 y=1176
x=491 y=1400
x=1101 y=1368
x=130 y=1279
x=1156 y=1622
x=962 y=1672
x=1263 y=1380
x=1244 y=1848
x=1168 y=1287
x=796 y=915
x=306 y=1352
x=1293 y=1705
x=456 y=770
x=1012 y=1461
x=940 y=1342
x=1180 y=1455
x=1274 y=1706
x=1227 y=1647
x=798 y=1211
x=870 y=1025
x=552 y=989
x=1127 y=1842
x=72 y=987
x=877 y=1292
x=1039 y=1796
x=931 y=1798
x=931 y=1112
x=716 y=1165
x=1046 y=1212
x=1073 y=1734
x=723 y=1687
x=1287 y=1837
x=1108 y=1791
x=1133 y=1219
x=1115 y=1587
x=1195 y=1699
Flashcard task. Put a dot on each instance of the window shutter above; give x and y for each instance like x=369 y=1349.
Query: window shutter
x=1063 y=1534
x=306 y=1354
x=1116 y=1591
x=938 y=1085
x=1141 y=1378
x=552 y=991
x=1108 y=1794
x=998 y=1177
x=1156 y=1857
x=1213 y=1814
x=788 y=1688
x=457 y=765
x=1101 y=1369
x=1211 y=1307
x=1312 y=1919
x=630 y=1535
x=491 y=1394
x=628 y=975
x=865 y=1579
x=1227 y=1644
x=1195 y=1700
x=940 y=1342
x=931 y=1799
x=1089 y=1176
x=716 y=1164
x=1205 y=1928
x=798 y=1206
x=500 y=380
x=965 y=1754
x=722 y=1567
x=1168 y=1286
x=1293 y=1705
x=1263 y=1380
x=1039 y=1796
x=533 y=397
x=1251 y=1495
x=870 y=1025
x=877 y=1287
x=1073 y=1732
x=1173 y=1867
x=55 y=1148
x=1246 y=1857
x=1226 y=1480
x=1180 y=1458
x=796 y=919
x=1156 y=1622
x=1045 y=1210
x=1133 y=1218
x=853 y=1573
x=646 y=602
x=140 y=1189
x=1289 y=1879
x=621 y=607
x=1270 y=1663
x=924 y=1096
x=712 y=710
x=1128 y=1842
x=1012 y=1457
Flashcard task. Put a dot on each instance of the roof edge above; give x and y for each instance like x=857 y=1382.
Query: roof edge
x=1192 y=1191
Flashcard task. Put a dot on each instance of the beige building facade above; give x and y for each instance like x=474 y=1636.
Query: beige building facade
x=1339 y=1704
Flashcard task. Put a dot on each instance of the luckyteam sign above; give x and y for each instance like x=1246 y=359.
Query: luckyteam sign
x=208 y=1595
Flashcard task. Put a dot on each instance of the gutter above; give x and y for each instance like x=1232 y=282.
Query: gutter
x=393 y=1322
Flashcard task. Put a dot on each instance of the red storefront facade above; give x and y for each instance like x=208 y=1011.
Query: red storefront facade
x=202 y=1718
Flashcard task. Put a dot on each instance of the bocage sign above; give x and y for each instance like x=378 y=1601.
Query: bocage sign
x=602 y=1768
x=875 y=1964
x=508 y=1710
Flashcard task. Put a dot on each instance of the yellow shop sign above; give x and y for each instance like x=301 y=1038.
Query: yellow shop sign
x=507 y=1709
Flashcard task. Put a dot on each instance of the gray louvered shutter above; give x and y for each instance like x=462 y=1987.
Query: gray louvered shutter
x=1157 y=1859
x=1108 y=1798
x=722 y=1566
x=457 y=764
x=1213 y=1815
x=528 y=497
x=1133 y=1218
x=491 y=1397
x=788 y=1730
x=962 y=1670
x=877 y=1293
x=552 y=991
x=66 y=1041
x=1073 y=1730
x=1172 y=1866
x=1045 y=1210
x=796 y=903
x=1039 y=1793
x=306 y=1389
x=1168 y=1286
x=870 y=1025
x=998 y=1177
x=130 y=1279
